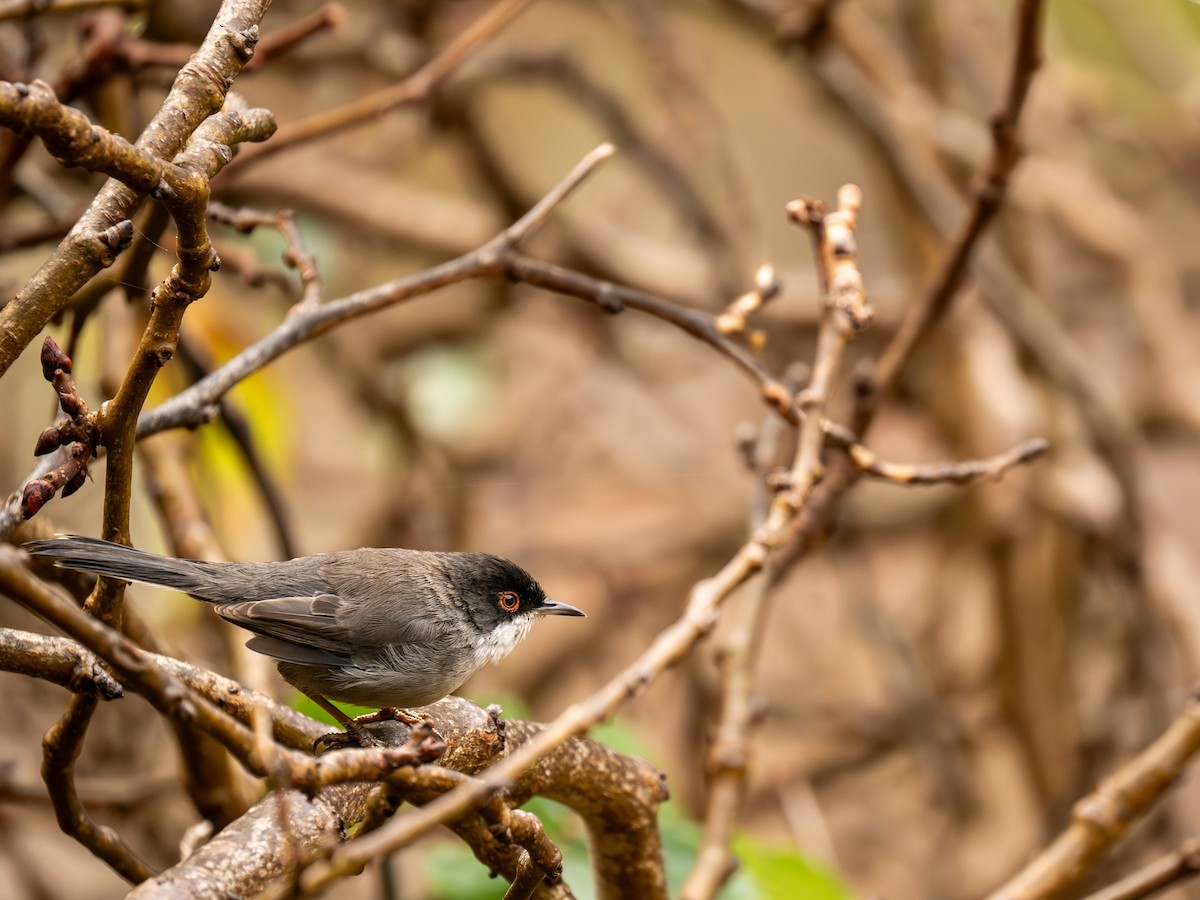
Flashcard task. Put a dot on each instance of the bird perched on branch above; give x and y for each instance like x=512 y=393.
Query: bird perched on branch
x=373 y=627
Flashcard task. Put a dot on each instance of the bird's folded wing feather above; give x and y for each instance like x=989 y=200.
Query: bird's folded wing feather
x=303 y=630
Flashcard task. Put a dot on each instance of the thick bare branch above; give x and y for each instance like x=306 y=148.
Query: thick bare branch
x=198 y=92
x=616 y=796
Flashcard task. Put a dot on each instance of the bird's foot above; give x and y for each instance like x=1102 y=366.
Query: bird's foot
x=344 y=740
x=375 y=729
x=356 y=734
x=396 y=714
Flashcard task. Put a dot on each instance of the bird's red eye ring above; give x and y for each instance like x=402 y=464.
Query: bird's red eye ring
x=510 y=601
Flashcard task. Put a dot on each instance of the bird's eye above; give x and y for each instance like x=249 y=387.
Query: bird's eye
x=510 y=601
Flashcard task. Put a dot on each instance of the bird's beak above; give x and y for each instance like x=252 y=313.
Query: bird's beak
x=554 y=608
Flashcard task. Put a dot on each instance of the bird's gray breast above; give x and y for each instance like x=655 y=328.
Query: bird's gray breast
x=411 y=640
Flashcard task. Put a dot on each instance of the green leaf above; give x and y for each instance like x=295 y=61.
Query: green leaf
x=453 y=872
x=774 y=871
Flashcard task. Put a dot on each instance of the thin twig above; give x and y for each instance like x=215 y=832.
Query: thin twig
x=728 y=758
x=1102 y=817
x=537 y=215
x=1176 y=867
x=844 y=311
x=956 y=472
x=278 y=42
x=296 y=255
x=987 y=200
x=416 y=88
x=664 y=171
x=19 y=9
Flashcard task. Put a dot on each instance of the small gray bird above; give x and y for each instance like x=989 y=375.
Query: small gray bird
x=374 y=627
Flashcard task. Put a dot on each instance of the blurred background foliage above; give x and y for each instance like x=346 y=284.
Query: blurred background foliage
x=955 y=667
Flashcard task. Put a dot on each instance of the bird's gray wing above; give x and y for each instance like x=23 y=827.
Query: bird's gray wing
x=304 y=630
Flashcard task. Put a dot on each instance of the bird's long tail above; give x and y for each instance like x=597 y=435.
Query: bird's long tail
x=106 y=558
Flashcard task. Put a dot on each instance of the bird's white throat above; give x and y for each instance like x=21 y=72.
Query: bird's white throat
x=502 y=640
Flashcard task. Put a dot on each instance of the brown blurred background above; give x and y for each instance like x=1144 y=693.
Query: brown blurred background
x=947 y=675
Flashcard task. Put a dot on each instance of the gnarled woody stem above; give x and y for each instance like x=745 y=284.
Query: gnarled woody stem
x=198 y=92
x=616 y=796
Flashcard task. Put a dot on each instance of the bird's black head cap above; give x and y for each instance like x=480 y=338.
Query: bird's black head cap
x=496 y=588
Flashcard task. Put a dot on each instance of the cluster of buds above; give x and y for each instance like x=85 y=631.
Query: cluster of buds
x=78 y=431
x=737 y=315
x=838 y=250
